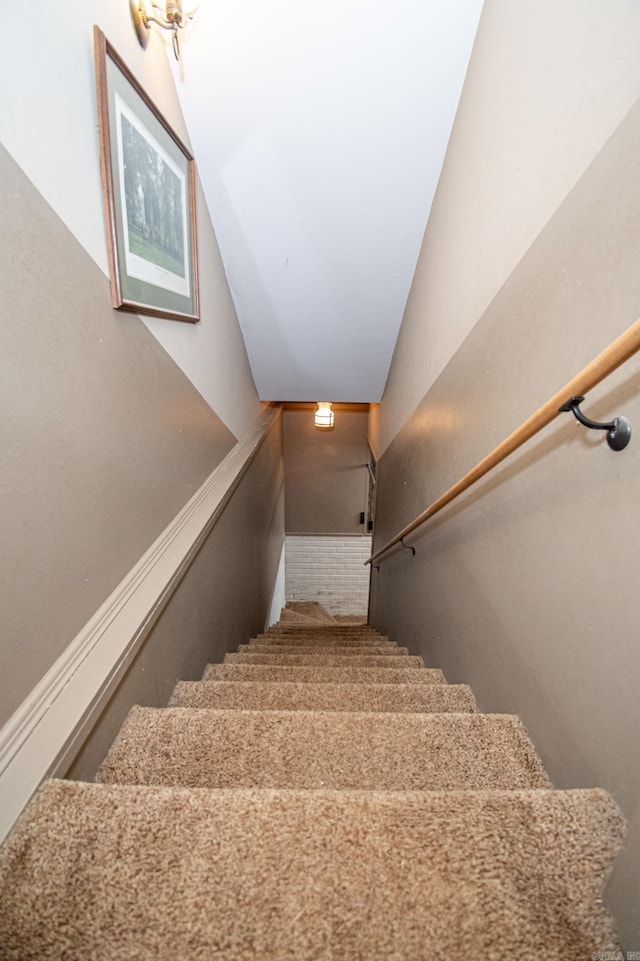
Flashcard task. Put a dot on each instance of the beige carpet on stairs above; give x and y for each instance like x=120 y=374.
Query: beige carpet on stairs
x=320 y=674
x=325 y=660
x=323 y=631
x=310 y=806
x=255 y=647
x=314 y=749
x=292 y=696
x=129 y=873
x=328 y=643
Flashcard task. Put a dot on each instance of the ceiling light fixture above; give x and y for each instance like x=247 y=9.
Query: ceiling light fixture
x=169 y=16
x=324 y=416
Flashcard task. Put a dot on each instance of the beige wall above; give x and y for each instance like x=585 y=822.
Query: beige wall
x=527 y=587
x=103 y=438
x=110 y=421
x=48 y=123
x=222 y=601
x=326 y=480
x=547 y=84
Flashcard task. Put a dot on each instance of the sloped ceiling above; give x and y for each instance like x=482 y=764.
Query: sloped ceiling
x=319 y=132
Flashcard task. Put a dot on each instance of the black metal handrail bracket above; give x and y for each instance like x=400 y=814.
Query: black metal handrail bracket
x=618 y=430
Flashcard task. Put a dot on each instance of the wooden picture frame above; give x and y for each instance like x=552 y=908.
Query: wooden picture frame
x=148 y=179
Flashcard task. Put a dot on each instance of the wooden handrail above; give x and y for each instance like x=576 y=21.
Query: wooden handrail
x=604 y=364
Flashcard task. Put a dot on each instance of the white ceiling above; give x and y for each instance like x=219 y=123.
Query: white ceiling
x=319 y=132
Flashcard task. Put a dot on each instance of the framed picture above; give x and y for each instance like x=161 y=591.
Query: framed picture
x=148 y=178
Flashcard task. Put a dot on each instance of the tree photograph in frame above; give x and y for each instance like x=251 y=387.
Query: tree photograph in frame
x=148 y=179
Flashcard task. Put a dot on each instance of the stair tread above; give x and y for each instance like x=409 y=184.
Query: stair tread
x=328 y=642
x=331 y=630
x=319 y=674
x=314 y=637
x=406 y=662
x=314 y=749
x=260 y=647
x=324 y=628
x=380 y=875
x=288 y=695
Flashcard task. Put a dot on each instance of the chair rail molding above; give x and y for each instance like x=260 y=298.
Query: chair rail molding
x=45 y=733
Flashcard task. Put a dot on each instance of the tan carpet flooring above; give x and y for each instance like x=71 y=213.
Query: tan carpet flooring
x=349 y=650
x=316 y=659
x=319 y=675
x=314 y=809
x=297 y=696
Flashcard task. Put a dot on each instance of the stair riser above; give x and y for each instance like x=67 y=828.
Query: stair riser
x=324 y=632
x=255 y=647
x=327 y=660
x=323 y=641
x=320 y=675
x=287 y=696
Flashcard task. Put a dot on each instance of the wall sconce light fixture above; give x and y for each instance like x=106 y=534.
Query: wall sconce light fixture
x=324 y=417
x=169 y=16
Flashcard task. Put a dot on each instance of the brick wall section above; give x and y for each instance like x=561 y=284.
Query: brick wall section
x=330 y=570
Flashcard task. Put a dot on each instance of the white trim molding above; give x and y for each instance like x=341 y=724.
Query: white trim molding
x=45 y=733
x=278 y=597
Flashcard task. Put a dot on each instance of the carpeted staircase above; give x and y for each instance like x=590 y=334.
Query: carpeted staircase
x=319 y=795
